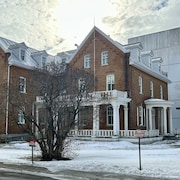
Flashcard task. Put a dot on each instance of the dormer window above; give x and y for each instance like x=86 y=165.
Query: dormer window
x=22 y=54
x=64 y=60
x=43 y=61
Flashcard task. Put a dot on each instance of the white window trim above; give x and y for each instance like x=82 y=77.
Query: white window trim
x=43 y=61
x=161 y=92
x=81 y=83
x=140 y=84
x=87 y=61
x=107 y=115
x=21 y=119
x=112 y=79
x=24 y=85
x=22 y=58
x=151 y=89
x=104 y=58
x=140 y=116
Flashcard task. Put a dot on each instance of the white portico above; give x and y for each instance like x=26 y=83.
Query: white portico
x=159 y=115
x=115 y=99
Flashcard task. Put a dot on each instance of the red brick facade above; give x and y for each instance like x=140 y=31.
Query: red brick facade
x=126 y=77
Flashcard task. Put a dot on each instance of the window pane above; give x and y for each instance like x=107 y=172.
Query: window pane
x=87 y=61
x=22 y=84
x=104 y=58
x=110 y=116
x=22 y=54
x=110 y=82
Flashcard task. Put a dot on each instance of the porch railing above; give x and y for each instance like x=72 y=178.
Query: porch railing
x=107 y=94
x=109 y=133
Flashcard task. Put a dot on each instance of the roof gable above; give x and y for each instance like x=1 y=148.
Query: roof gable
x=95 y=29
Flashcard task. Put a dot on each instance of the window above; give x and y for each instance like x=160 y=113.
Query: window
x=140 y=121
x=109 y=115
x=64 y=60
x=87 y=60
x=151 y=89
x=140 y=85
x=104 y=58
x=82 y=87
x=161 y=92
x=21 y=119
x=110 y=82
x=43 y=61
x=22 y=85
x=22 y=54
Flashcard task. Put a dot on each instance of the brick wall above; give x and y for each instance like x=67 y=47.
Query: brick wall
x=126 y=76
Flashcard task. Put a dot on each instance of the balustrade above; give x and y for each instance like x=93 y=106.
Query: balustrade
x=109 y=133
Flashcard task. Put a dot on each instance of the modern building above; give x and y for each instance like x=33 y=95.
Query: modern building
x=166 y=44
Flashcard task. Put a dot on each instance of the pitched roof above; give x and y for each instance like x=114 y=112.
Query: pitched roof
x=11 y=46
x=118 y=45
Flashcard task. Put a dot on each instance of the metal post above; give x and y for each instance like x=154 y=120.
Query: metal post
x=139 y=153
x=32 y=154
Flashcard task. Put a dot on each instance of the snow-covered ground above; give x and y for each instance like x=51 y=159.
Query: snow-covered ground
x=160 y=159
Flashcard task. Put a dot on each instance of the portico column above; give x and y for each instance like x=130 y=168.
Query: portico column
x=150 y=118
x=116 y=119
x=125 y=117
x=165 y=120
x=170 y=121
x=95 y=120
x=147 y=118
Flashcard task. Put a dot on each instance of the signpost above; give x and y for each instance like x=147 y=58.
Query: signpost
x=32 y=144
x=139 y=134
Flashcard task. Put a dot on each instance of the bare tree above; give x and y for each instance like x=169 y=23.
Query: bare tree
x=62 y=90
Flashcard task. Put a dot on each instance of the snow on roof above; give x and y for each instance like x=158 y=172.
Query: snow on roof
x=29 y=62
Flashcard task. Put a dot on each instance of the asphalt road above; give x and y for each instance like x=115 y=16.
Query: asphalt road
x=6 y=175
x=68 y=175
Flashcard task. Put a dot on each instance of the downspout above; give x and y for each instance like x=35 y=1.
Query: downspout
x=7 y=99
x=94 y=61
x=127 y=74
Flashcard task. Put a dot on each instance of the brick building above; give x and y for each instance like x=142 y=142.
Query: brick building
x=17 y=62
x=130 y=91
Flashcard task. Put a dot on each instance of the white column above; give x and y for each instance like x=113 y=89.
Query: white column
x=165 y=120
x=170 y=121
x=150 y=118
x=147 y=119
x=125 y=117
x=116 y=125
x=95 y=119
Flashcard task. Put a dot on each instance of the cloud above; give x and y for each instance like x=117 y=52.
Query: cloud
x=33 y=22
x=139 y=17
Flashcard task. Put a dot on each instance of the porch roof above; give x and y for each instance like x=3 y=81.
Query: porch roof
x=158 y=102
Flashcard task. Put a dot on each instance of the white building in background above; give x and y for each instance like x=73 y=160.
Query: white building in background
x=166 y=44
